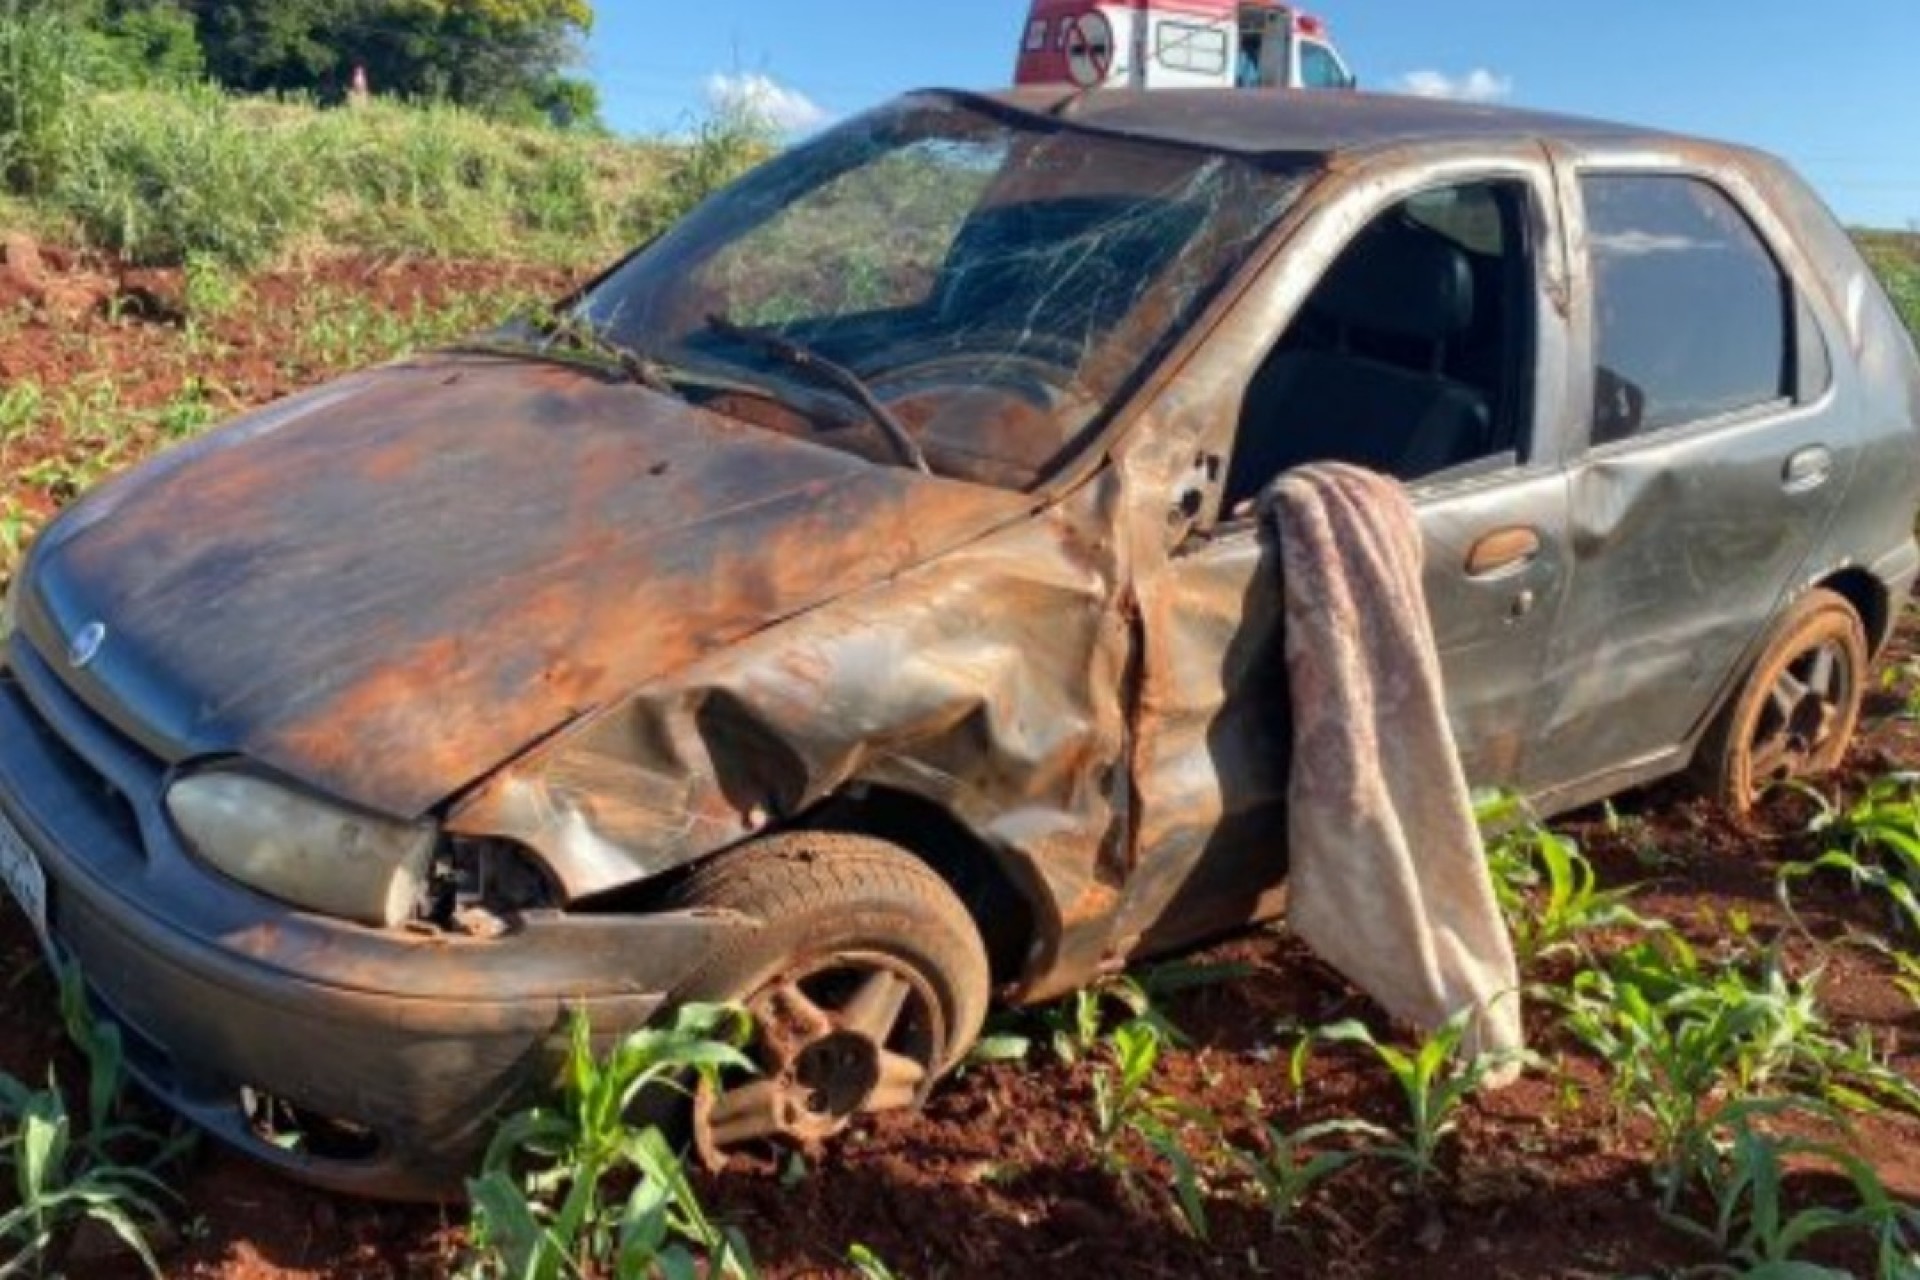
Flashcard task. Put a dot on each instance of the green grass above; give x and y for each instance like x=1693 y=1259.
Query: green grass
x=1895 y=257
x=85 y=430
x=161 y=175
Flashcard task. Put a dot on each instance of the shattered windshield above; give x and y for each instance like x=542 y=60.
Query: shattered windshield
x=989 y=282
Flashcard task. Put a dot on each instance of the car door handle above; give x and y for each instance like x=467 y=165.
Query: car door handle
x=1503 y=551
x=1807 y=470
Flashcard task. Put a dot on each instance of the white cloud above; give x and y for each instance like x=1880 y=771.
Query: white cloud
x=1478 y=85
x=766 y=99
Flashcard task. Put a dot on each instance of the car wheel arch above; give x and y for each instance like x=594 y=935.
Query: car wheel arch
x=1006 y=906
x=1866 y=594
x=1870 y=600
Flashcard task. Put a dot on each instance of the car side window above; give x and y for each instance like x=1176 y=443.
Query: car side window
x=1693 y=317
x=1412 y=356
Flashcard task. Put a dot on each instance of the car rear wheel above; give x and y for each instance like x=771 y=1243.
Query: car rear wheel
x=867 y=980
x=1797 y=711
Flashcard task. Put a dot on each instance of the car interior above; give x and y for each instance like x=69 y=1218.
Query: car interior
x=984 y=368
x=1411 y=355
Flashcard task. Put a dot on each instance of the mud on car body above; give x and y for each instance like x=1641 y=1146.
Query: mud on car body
x=859 y=601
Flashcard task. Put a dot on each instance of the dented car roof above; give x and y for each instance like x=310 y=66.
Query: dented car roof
x=1300 y=123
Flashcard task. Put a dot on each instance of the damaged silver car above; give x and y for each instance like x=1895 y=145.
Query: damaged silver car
x=862 y=601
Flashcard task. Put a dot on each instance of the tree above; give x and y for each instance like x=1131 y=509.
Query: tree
x=494 y=55
x=126 y=42
x=152 y=42
x=505 y=57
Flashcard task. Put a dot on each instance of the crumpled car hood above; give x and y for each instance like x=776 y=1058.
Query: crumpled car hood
x=388 y=587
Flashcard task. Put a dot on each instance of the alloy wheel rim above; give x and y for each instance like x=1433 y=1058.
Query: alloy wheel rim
x=1800 y=719
x=851 y=1035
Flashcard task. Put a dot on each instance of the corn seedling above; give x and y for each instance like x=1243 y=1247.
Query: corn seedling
x=869 y=1264
x=343 y=330
x=1284 y=1171
x=1875 y=842
x=1120 y=1095
x=1680 y=1038
x=1189 y=1188
x=999 y=1045
x=545 y=1206
x=1546 y=886
x=1435 y=1080
x=1903 y=676
x=21 y=406
x=210 y=290
x=65 y=477
x=1756 y=1228
x=1123 y=1104
x=61 y=1175
x=192 y=410
x=17 y=527
x=1906 y=965
x=1672 y=1050
x=1074 y=1027
x=59 y=1180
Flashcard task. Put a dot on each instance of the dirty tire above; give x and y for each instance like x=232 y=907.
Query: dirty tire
x=1795 y=713
x=868 y=980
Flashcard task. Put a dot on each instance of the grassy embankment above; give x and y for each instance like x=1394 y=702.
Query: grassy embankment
x=157 y=177
x=263 y=217
x=1895 y=255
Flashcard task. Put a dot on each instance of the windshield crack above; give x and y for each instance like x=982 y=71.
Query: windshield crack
x=831 y=373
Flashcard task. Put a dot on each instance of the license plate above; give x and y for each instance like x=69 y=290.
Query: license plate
x=20 y=871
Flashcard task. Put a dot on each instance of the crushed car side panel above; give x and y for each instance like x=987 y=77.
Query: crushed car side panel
x=988 y=683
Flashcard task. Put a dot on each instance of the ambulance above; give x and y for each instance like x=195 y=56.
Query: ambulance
x=1160 y=44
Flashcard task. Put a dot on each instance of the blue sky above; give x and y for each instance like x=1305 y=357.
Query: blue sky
x=1834 y=87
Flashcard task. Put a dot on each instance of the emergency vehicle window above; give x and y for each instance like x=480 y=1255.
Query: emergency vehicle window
x=1319 y=69
x=1692 y=315
x=875 y=239
x=1414 y=354
x=1191 y=48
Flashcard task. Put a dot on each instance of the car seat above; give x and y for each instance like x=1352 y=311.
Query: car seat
x=1364 y=377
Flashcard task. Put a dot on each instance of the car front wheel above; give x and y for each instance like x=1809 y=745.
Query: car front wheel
x=866 y=980
x=1797 y=711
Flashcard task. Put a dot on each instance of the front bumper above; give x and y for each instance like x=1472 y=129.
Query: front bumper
x=412 y=1042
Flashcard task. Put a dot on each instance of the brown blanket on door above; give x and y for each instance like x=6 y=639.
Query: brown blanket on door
x=1389 y=878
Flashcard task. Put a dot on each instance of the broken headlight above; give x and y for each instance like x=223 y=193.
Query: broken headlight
x=480 y=886
x=304 y=851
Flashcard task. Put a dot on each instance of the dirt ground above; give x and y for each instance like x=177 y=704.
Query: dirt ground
x=999 y=1176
